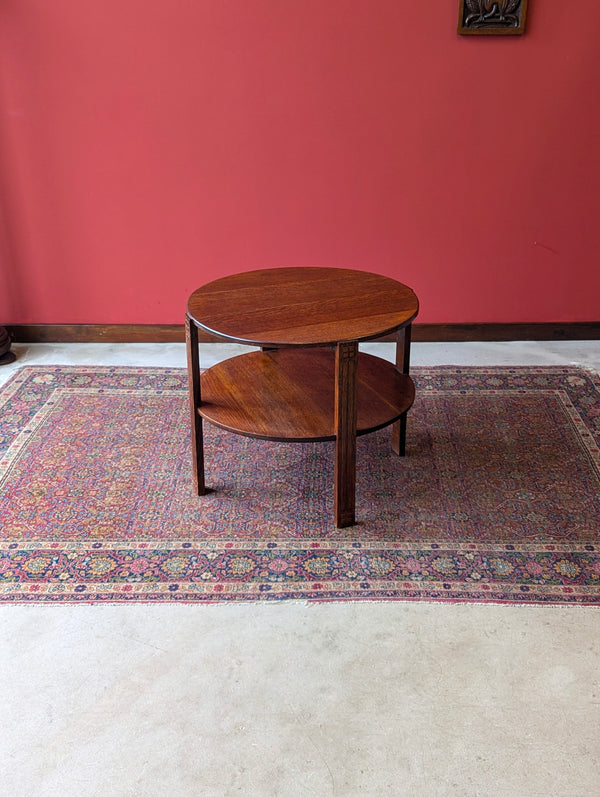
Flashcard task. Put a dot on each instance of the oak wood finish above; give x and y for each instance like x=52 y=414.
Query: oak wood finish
x=307 y=306
x=193 y=364
x=268 y=395
x=345 y=415
x=293 y=389
x=403 y=364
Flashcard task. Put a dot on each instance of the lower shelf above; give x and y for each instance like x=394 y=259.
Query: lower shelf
x=288 y=394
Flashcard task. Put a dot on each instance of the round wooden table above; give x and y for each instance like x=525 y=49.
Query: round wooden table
x=308 y=382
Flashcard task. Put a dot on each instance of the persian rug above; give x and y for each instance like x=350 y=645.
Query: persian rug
x=497 y=499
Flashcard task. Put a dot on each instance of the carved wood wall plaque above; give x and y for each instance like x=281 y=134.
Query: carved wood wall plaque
x=492 y=16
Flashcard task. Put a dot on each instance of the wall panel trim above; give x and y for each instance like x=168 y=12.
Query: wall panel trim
x=174 y=333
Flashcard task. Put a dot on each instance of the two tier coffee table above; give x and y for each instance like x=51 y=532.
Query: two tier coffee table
x=308 y=381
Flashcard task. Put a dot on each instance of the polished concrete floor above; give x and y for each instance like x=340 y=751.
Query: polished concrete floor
x=292 y=699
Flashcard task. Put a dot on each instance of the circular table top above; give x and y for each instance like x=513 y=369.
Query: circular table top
x=302 y=306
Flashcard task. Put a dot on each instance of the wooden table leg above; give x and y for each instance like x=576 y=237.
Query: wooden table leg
x=346 y=366
x=403 y=364
x=193 y=364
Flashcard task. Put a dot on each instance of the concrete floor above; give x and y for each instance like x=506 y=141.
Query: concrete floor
x=292 y=699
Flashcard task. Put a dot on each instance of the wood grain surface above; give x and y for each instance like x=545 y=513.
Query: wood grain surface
x=289 y=394
x=304 y=306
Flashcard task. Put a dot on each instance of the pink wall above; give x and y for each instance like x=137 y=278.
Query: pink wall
x=147 y=147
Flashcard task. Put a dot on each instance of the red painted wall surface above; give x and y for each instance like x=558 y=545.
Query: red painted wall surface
x=149 y=146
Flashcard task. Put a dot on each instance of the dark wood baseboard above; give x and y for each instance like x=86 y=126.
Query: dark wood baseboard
x=460 y=333
x=97 y=333
x=174 y=333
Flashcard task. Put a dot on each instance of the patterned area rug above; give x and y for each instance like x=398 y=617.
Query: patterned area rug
x=498 y=498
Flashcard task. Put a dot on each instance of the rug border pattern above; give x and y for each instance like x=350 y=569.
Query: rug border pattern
x=562 y=574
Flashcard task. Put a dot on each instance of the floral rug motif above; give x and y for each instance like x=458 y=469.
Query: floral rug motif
x=497 y=499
